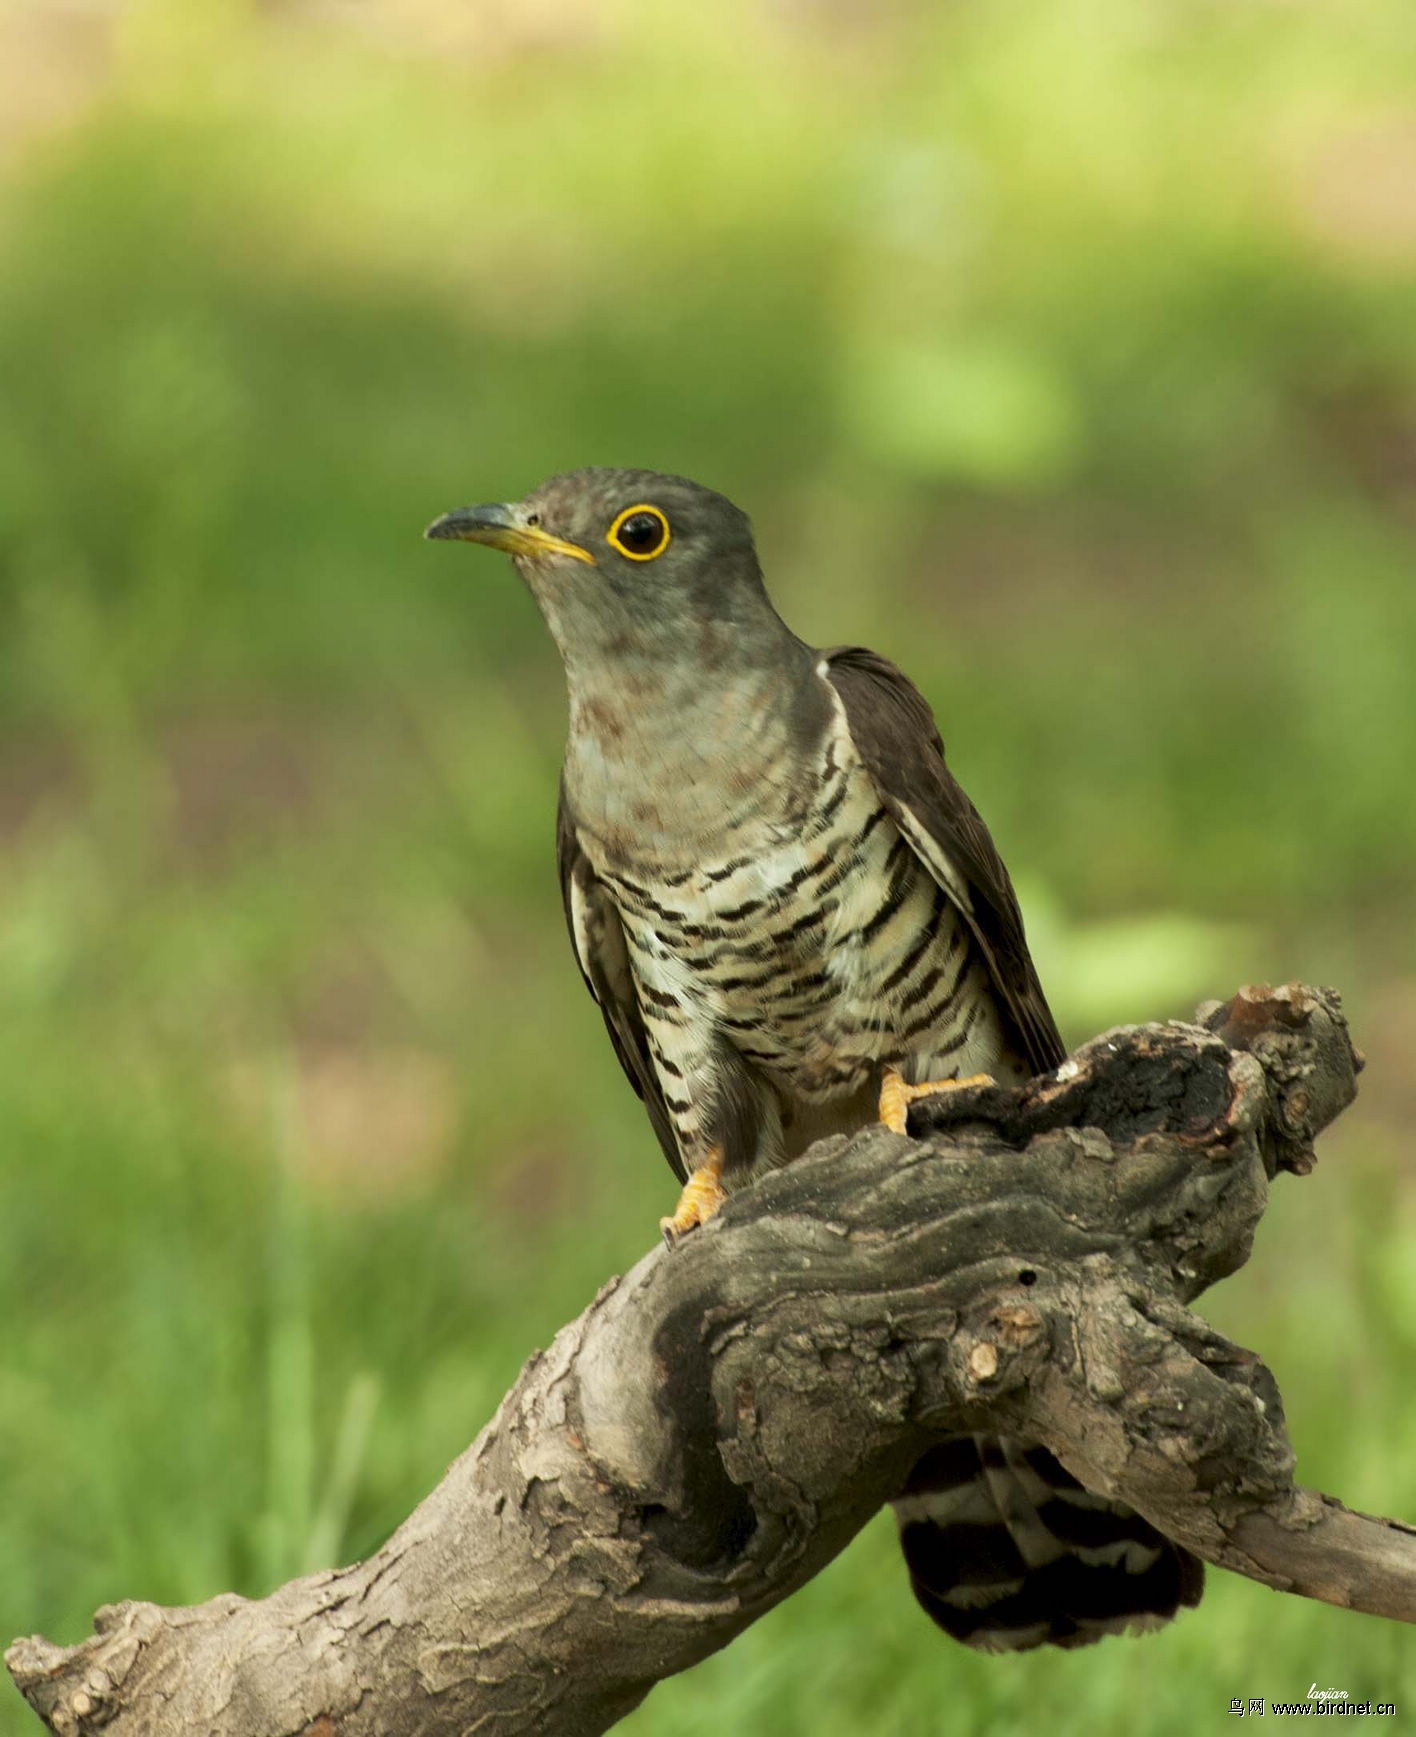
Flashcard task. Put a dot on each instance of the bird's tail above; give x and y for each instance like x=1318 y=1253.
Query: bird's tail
x=1007 y=1551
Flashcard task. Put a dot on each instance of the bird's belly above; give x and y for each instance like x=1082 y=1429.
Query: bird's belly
x=823 y=1027
x=817 y=958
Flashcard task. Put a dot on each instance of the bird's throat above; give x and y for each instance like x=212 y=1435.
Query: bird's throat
x=658 y=758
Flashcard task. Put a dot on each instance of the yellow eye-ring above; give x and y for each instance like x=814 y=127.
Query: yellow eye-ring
x=640 y=532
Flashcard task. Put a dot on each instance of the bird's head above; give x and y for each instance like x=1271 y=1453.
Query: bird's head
x=626 y=563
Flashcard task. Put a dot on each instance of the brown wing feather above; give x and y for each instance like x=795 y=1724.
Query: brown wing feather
x=597 y=937
x=895 y=735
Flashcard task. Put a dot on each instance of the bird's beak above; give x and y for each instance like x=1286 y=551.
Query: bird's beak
x=500 y=527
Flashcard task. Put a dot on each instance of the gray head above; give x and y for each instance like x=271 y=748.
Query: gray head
x=630 y=567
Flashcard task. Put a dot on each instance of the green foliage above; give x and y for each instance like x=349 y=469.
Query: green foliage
x=1066 y=352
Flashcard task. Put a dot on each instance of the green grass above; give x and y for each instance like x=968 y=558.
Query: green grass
x=1066 y=352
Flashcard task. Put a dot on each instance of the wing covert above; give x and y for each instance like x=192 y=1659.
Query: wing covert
x=597 y=938
x=897 y=739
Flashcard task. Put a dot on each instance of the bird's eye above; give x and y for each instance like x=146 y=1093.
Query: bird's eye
x=640 y=532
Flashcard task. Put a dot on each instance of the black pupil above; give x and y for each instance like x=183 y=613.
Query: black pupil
x=641 y=533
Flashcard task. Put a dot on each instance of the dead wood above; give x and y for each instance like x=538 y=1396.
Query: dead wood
x=722 y=1420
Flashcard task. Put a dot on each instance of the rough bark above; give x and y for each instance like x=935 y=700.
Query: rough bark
x=722 y=1420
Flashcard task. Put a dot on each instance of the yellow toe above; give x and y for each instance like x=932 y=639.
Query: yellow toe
x=896 y=1095
x=702 y=1195
x=894 y=1101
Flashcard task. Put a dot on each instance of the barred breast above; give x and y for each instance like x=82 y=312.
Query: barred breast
x=811 y=944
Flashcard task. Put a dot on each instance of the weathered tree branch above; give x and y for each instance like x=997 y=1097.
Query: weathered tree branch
x=721 y=1421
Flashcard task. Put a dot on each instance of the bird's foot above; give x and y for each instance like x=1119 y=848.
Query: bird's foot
x=896 y=1095
x=702 y=1195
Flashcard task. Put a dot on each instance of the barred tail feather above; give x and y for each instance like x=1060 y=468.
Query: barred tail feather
x=1007 y=1551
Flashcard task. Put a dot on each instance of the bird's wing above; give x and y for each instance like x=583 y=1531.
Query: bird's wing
x=597 y=936
x=896 y=737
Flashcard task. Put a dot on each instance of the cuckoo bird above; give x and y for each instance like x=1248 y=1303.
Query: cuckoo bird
x=794 y=921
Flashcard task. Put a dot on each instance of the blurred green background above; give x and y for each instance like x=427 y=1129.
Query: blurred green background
x=1064 y=350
